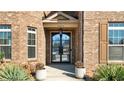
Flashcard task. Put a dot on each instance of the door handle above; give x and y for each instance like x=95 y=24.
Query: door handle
x=61 y=50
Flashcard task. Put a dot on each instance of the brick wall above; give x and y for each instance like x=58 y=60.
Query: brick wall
x=19 y=22
x=91 y=35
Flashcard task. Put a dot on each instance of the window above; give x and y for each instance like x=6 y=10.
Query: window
x=5 y=40
x=116 y=41
x=31 y=42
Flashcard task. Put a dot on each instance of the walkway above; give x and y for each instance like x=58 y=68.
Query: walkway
x=61 y=72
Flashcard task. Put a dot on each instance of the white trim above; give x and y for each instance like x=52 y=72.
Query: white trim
x=115 y=61
x=5 y=45
x=8 y=60
x=5 y=30
x=61 y=13
x=115 y=28
x=116 y=45
x=30 y=31
x=60 y=21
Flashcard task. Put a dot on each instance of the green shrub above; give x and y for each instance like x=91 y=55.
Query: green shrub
x=13 y=72
x=110 y=72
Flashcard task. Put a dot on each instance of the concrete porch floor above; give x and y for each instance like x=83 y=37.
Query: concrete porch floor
x=61 y=72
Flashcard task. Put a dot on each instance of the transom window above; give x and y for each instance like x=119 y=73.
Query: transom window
x=5 y=40
x=31 y=42
x=116 y=41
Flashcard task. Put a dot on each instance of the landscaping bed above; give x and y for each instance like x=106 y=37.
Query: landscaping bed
x=109 y=72
x=11 y=71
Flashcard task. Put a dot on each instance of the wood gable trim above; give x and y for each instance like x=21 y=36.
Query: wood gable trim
x=62 y=14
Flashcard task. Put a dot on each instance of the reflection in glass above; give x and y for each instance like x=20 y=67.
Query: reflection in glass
x=116 y=24
x=115 y=53
x=121 y=33
x=115 y=40
x=66 y=51
x=56 y=37
x=121 y=41
x=1 y=35
x=110 y=33
x=65 y=57
x=9 y=35
x=65 y=43
x=56 y=43
x=65 y=37
x=31 y=52
x=56 y=58
x=116 y=33
x=55 y=51
x=111 y=41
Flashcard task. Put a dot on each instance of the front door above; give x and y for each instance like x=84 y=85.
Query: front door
x=60 y=47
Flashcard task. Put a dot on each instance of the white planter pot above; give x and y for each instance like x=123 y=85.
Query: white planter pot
x=80 y=72
x=41 y=74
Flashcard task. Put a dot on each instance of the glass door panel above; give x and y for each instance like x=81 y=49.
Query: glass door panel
x=65 y=58
x=55 y=54
x=56 y=43
x=55 y=58
x=60 y=47
x=66 y=51
x=66 y=43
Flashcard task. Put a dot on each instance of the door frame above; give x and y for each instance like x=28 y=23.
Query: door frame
x=51 y=45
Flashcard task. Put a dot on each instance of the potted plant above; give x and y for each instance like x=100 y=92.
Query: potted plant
x=80 y=71
x=40 y=71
